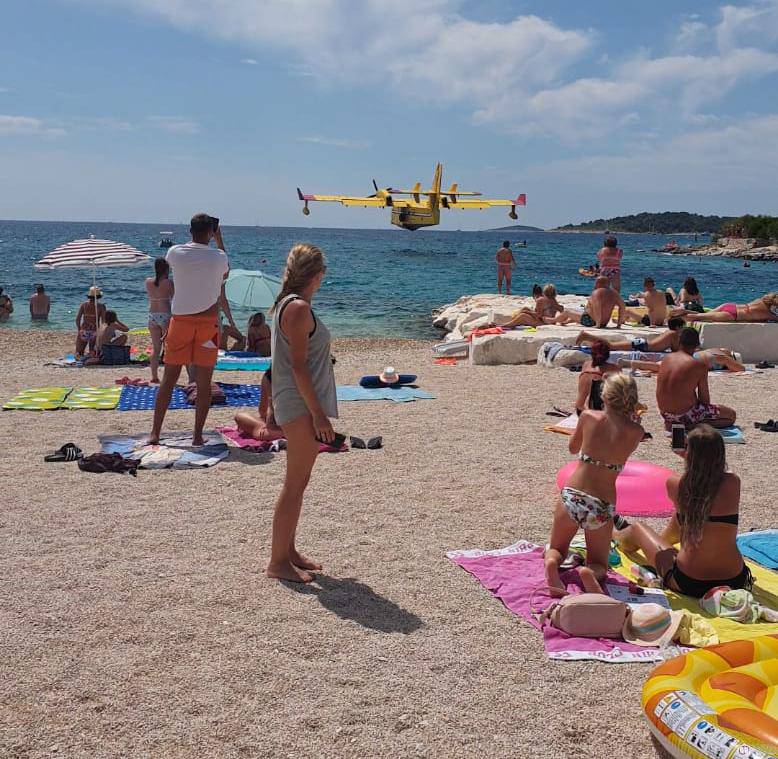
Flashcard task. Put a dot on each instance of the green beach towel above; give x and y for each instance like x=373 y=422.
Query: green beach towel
x=38 y=399
x=100 y=398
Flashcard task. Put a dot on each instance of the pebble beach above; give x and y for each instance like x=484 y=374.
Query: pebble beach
x=136 y=619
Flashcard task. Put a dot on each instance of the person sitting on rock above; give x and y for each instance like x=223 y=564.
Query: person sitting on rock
x=545 y=311
x=599 y=307
x=682 y=392
x=656 y=303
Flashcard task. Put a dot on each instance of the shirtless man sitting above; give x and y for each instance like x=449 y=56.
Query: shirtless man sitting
x=599 y=307
x=682 y=392
x=656 y=303
x=666 y=341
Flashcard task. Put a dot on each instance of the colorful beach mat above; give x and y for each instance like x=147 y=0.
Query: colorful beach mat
x=760 y=546
x=396 y=394
x=38 y=399
x=765 y=592
x=101 y=398
x=53 y=398
x=514 y=573
x=135 y=398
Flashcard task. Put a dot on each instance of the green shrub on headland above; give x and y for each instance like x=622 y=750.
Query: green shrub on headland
x=761 y=227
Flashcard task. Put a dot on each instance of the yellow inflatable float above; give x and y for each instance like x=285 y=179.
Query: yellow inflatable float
x=719 y=702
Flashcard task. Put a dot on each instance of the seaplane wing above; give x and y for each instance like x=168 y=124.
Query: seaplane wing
x=379 y=200
x=480 y=204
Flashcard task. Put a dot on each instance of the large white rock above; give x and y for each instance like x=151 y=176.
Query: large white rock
x=472 y=311
x=755 y=342
x=521 y=346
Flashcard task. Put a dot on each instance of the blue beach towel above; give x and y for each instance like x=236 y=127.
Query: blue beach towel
x=242 y=361
x=143 y=398
x=760 y=546
x=396 y=394
x=732 y=435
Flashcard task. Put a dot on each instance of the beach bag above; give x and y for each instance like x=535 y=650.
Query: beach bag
x=115 y=355
x=587 y=615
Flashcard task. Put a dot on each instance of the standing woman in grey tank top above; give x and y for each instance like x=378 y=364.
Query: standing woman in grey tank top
x=304 y=397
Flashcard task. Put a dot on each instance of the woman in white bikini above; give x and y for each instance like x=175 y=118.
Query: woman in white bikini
x=159 y=288
x=603 y=440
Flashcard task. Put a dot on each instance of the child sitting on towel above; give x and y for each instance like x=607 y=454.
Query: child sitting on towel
x=111 y=332
x=264 y=426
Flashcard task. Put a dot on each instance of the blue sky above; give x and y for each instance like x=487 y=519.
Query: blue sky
x=146 y=110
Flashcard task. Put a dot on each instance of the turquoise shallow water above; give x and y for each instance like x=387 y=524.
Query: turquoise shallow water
x=379 y=282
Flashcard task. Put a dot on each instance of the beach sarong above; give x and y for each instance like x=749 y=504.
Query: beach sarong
x=174 y=450
x=396 y=394
x=760 y=546
x=512 y=574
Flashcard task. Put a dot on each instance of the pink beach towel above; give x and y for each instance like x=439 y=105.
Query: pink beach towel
x=237 y=438
x=514 y=573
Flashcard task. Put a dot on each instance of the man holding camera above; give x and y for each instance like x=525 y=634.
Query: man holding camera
x=192 y=338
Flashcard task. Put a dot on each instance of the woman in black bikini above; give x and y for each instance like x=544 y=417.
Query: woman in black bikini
x=707 y=501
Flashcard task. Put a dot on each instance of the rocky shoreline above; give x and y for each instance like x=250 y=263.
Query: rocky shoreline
x=749 y=249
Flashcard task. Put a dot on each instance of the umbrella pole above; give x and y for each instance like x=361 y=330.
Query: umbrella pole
x=94 y=285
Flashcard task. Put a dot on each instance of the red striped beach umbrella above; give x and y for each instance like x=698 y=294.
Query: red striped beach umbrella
x=91 y=254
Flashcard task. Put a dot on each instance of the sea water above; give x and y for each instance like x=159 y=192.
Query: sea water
x=379 y=282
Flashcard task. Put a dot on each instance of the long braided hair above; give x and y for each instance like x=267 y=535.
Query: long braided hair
x=706 y=465
x=303 y=263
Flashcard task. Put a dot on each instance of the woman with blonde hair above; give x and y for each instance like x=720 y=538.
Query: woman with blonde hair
x=707 y=512
x=603 y=440
x=304 y=399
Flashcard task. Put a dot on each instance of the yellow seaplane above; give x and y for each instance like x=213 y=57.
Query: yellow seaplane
x=412 y=212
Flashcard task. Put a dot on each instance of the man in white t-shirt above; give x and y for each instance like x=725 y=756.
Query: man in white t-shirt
x=193 y=334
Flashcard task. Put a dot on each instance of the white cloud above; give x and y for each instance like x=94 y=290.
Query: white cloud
x=336 y=142
x=250 y=61
x=174 y=124
x=516 y=75
x=28 y=125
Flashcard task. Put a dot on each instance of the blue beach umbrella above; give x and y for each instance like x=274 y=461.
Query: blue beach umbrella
x=252 y=290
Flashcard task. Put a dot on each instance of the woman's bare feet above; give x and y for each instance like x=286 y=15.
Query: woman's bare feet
x=287 y=571
x=303 y=562
x=553 y=580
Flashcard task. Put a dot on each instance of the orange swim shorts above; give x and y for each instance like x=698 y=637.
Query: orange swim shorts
x=192 y=340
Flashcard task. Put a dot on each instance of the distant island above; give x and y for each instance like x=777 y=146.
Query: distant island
x=516 y=228
x=667 y=223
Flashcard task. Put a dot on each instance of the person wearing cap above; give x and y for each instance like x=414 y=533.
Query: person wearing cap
x=40 y=304
x=192 y=337
x=88 y=318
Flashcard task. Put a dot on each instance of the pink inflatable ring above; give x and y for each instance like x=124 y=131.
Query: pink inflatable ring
x=640 y=489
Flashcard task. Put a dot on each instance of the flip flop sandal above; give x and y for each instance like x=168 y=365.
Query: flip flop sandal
x=375 y=443
x=768 y=426
x=357 y=442
x=68 y=452
x=764 y=365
